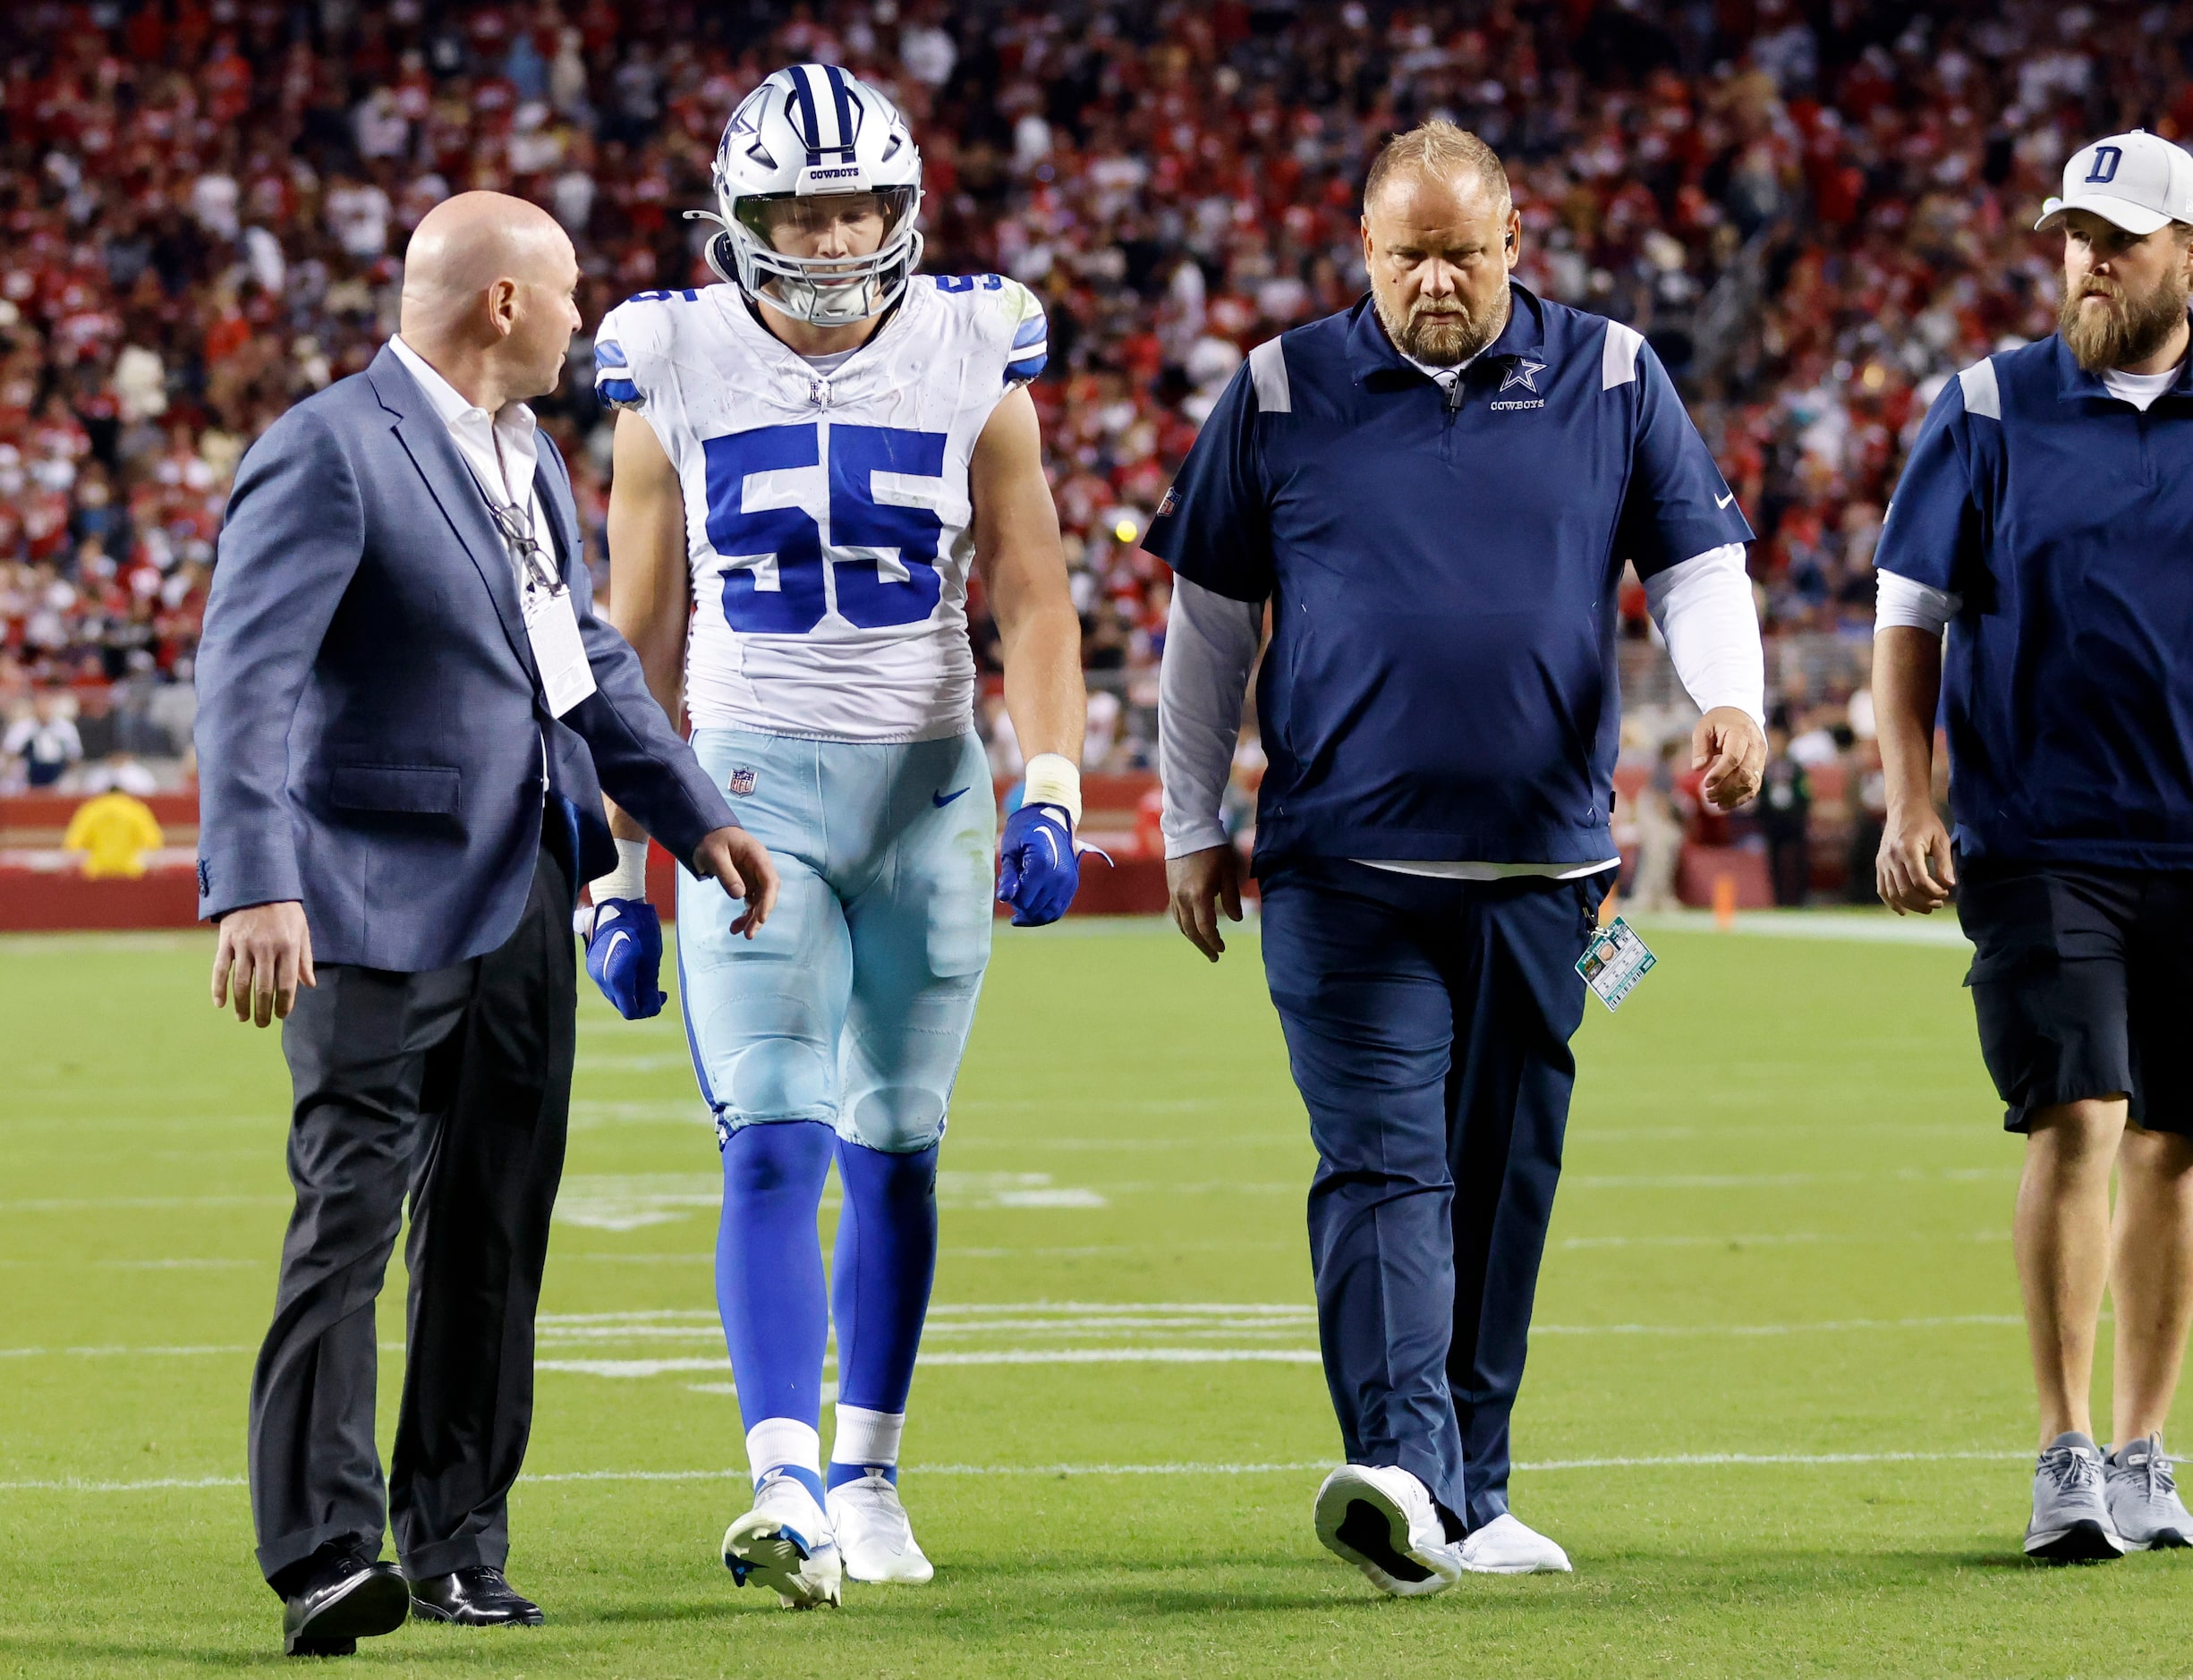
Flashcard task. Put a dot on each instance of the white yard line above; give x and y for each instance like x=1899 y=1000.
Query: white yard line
x=81 y=1204
x=698 y=1258
x=1080 y=1251
x=1076 y=1309
x=1127 y=1356
x=1137 y=1146
x=120 y=1353
x=1781 y=1181
x=625 y=1368
x=1829 y=1325
x=72 y=1262
x=1867 y=1239
x=1860 y=927
x=1662 y=1461
x=1077 y=1105
x=1072 y=1319
x=1086 y=1248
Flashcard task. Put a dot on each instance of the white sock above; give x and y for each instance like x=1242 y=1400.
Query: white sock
x=784 y=1444
x=867 y=1437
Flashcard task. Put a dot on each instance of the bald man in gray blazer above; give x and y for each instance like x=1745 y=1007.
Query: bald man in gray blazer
x=408 y=713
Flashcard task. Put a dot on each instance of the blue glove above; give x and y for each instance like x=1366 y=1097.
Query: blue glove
x=1037 y=869
x=623 y=954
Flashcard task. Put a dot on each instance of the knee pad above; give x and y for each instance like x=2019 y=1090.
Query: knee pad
x=775 y=1078
x=894 y=1119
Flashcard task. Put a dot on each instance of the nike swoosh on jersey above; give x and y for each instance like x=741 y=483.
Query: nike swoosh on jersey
x=941 y=799
x=1723 y=500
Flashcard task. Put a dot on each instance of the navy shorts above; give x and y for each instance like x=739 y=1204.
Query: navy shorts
x=2082 y=979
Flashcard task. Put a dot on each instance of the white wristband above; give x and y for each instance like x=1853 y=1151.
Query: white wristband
x=628 y=879
x=1053 y=779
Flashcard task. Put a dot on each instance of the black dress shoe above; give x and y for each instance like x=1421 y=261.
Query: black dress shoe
x=476 y=1596
x=348 y=1599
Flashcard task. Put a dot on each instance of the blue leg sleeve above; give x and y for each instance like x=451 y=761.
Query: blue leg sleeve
x=769 y=1267
x=885 y=1262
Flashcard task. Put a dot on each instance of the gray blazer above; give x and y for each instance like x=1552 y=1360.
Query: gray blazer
x=369 y=716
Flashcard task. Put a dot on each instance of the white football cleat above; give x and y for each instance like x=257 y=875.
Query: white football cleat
x=1505 y=1547
x=1382 y=1519
x=874 y=1537
x=785 y=1543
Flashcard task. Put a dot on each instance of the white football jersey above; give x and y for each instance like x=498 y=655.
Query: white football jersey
x=828 y=523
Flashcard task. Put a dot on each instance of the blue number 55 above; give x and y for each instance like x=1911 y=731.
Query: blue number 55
x=790 y=538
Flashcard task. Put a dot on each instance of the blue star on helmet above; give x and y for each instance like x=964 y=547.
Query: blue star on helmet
x=1522 y=372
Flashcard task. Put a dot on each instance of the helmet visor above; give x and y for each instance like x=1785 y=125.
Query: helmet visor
x=791 y=225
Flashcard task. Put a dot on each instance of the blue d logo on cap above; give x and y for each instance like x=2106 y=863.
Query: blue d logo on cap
x=2139 y=182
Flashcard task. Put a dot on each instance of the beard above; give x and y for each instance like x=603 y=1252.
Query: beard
x=1438 y=334
x=2123 y=328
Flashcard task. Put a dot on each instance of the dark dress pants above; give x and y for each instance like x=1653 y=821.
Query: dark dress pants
x=453 y=1086
x=1427 y=1023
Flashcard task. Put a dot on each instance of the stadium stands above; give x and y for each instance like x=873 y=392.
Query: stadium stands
x=1816 y=213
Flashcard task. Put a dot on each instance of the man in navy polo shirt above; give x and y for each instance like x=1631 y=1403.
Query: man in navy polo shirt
x=1433 y=494
x=2046 y=518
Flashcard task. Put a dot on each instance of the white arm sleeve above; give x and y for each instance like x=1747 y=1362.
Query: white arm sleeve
x=1916 y=606
x=1211 y=643
x=1703 y=608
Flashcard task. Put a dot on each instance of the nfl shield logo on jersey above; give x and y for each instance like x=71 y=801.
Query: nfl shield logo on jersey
x=742 y=782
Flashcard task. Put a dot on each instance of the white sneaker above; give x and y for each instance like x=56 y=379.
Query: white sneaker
x=785 y=1543
x=1505 y=1547
x=1382 y=1519
x=874 y=1537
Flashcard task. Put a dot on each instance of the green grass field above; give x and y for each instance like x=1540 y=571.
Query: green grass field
x=1777 y=1406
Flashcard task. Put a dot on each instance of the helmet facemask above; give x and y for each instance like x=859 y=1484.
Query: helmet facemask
x=825 y=291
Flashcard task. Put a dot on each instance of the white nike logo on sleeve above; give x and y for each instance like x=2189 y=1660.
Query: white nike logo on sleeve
x=1723 y=500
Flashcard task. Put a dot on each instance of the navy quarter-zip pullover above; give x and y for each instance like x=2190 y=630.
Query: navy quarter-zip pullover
x=1442 y=567
x=2061 y=517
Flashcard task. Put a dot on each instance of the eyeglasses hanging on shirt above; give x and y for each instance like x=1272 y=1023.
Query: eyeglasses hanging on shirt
x=551 y=620
x=536 y=568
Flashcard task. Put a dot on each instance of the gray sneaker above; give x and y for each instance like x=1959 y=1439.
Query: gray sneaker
x=2142 y=1497
x=2070 y=1520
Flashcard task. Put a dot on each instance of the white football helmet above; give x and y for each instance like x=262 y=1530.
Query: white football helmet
x=813 y=131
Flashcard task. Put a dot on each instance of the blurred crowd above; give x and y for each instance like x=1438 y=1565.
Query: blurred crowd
x=1815 y=212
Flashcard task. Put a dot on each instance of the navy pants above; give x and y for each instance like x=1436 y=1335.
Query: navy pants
x=1428 y=1024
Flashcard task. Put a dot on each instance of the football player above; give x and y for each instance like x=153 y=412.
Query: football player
x=811 y=458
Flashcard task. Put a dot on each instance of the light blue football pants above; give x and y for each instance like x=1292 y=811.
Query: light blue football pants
x=852 y=1004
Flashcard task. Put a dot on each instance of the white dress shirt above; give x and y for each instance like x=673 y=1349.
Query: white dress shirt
x=501 y=449
x=502 y=452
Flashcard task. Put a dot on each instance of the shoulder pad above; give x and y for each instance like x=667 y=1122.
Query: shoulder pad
x=1005 y=314
x=630 y=343
x=1030 y=348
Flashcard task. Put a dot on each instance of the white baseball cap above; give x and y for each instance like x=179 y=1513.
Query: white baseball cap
x=2138 y=181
